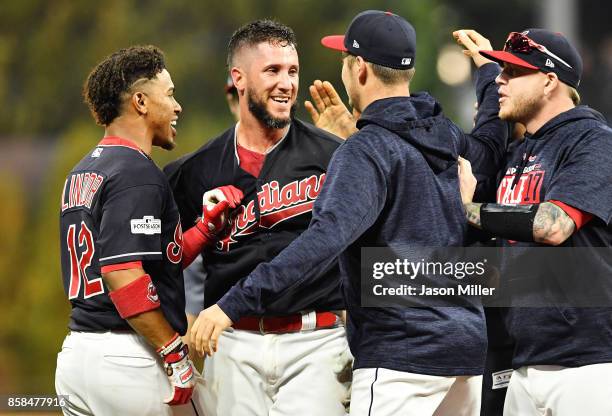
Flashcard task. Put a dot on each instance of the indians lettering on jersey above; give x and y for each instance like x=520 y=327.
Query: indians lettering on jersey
x=528 y=188
x=276 y=205
x=82 y=190
x=174 y=249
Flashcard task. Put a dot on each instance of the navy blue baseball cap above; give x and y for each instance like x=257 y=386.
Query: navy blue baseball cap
x=382 y=38
x=542 y=50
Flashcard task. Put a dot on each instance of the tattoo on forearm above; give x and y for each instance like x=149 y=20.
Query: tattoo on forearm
x=550 y=220
x=472 y=213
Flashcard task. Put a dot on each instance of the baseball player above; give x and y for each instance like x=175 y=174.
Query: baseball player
x=390 y=184
x=329 y=113
x=286 y=359
x=555 y=191
x=123 y=250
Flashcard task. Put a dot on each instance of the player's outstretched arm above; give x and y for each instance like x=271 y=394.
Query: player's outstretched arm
x=136 y=300
x=332 y=229
x=485 y=145
x=328 y=111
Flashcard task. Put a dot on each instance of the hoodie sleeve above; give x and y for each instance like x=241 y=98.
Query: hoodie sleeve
x=351 y=200
x=485 y=145
x=582 y=179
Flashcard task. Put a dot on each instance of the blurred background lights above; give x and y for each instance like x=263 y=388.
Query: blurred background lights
x=453 y=67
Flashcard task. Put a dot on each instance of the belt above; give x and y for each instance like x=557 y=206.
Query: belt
x=291 y=323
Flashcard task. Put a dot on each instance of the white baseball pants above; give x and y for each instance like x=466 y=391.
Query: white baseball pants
x=293 y=374
x=551 y=390
x=114 y=374
x=384 y=392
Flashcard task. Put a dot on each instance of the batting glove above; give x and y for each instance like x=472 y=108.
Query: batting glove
x=215 y=207
x=179 y=370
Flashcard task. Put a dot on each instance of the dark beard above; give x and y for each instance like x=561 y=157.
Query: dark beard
x=258 y=109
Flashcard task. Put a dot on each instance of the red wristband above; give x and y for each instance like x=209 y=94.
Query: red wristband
x=136 y=297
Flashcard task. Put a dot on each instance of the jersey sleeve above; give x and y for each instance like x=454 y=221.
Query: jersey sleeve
x=130 y=227
x=583 y=178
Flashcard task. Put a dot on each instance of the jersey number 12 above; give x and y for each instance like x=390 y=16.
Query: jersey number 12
x=78 y=266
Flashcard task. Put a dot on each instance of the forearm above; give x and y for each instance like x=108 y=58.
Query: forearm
x=486 y=143
x=472 y=213
x=544 y=223
x=552 y=225
x=194 y=241
x=151 y=324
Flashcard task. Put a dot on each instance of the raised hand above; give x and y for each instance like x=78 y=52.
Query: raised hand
x=329 y=112
x=473 y=42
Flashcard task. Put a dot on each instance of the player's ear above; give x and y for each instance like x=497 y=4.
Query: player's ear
x=238 y=79
x=139 y=102
x=552 y=81
x=362 y=70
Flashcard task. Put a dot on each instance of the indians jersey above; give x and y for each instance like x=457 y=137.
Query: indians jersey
x=568 y=160
x=275 y=210
x=117 y=210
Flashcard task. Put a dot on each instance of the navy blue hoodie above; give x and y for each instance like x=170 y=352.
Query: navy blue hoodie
x=392 y=184
x=569 y=159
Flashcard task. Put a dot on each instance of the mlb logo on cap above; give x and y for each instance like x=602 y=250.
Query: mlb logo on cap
x=385 y=39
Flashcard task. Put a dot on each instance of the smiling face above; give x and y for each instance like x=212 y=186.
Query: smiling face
x=162 y=109
x=521 y=93
x=270 y=79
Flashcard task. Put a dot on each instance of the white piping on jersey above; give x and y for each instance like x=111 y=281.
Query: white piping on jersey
x=267 y=151
x=145 y=253
x=127 y=147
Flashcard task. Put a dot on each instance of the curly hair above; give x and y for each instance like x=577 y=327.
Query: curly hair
x=259 y=31
x=112 y=78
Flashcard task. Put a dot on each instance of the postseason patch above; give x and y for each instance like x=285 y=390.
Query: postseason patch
x=501 y=379
x=147 y=225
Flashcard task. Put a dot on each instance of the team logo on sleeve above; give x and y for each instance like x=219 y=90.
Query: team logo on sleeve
x=147 y=225
x=152 y=293
x=174 y=250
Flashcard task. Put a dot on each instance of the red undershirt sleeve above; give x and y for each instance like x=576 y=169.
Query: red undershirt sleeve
x=579 y=217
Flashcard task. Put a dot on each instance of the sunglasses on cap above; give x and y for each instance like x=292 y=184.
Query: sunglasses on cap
x=520 y=43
